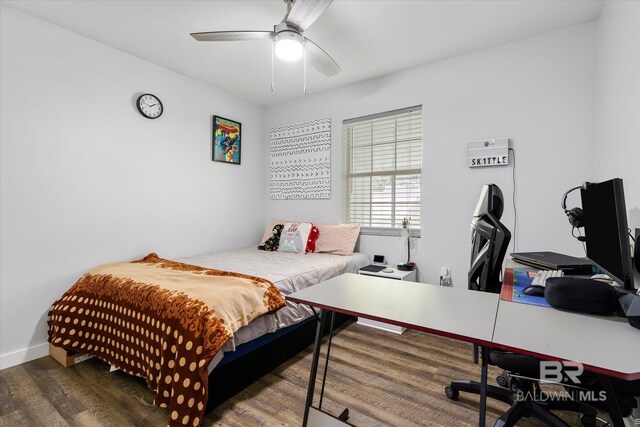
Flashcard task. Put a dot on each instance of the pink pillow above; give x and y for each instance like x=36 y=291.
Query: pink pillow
x=337 y=239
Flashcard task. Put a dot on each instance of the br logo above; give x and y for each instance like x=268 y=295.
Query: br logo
x=561 y=371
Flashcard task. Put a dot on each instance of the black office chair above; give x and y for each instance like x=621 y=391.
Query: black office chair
x=521 y=389
x=490 y=240
x=624 y=395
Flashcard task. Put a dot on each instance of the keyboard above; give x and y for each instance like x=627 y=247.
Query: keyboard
x=543 y=275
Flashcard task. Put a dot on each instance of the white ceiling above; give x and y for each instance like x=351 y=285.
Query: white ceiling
x=368 y=38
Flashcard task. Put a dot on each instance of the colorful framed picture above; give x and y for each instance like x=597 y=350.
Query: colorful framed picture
x=226 y=140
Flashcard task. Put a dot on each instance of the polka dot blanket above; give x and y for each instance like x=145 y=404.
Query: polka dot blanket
x=160 y=320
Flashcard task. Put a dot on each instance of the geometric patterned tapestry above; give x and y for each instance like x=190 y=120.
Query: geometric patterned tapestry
x=301 y=161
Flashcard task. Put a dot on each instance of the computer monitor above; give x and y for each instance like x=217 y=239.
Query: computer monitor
x=489 y=241
x=606 y=230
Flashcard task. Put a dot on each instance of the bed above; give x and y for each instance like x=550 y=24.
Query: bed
x=271 y=339
x=252 y=350
x=289 y=272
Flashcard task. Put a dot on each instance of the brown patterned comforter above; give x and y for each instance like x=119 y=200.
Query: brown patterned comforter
x=161 y=320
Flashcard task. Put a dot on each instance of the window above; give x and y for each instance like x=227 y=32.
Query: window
x=383 y=170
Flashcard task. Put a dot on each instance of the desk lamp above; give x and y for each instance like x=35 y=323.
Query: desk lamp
x=406 y=234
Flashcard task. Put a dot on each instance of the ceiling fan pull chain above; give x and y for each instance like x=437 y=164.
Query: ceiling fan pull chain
x=273 y=46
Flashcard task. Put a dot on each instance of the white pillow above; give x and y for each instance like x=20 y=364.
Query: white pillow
x=269 y=230
x=294 y=237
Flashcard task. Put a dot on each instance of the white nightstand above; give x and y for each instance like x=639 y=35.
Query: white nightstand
x=396 y=275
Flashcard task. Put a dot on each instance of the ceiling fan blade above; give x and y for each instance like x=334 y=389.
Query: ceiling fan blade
x=232 y=36
x=321 y=59
x=303 y=13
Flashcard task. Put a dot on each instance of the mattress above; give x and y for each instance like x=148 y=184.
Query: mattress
x=289 y=272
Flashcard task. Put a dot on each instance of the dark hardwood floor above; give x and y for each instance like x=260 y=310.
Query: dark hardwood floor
x=384 y=379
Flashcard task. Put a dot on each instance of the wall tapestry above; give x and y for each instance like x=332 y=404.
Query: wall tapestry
x=301 y=161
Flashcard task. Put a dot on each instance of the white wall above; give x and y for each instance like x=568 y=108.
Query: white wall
x=86 y=180
x=618 y=101
x=538 y=92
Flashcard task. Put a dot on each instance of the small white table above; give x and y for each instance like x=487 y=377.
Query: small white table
x=409 y=276
x=433 y=309
x=400 y=275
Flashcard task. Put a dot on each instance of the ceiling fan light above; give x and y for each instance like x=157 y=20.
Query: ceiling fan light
x=289 y=46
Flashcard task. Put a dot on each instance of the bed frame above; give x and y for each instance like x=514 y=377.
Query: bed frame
x=239 y=369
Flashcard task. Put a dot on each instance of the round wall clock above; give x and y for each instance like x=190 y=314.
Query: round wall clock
x=149 y=106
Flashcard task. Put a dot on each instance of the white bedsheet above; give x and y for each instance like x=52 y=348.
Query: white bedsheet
x=289 y=272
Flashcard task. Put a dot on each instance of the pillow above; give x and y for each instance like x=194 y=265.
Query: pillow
x=313 y=236
x=268 y=232
x=295 y=237
x=271 y=244
x=337 y=239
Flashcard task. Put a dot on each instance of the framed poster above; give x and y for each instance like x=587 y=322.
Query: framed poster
x=226 y=140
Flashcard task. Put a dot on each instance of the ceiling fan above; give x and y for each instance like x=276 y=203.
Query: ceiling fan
x=290 y=44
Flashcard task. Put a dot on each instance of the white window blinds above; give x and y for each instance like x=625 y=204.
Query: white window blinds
x=383 y=169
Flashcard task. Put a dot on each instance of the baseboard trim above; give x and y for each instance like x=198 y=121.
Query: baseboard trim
x=25 y=355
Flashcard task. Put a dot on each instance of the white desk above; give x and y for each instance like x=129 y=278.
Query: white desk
x=434 y=309
x=604 y=344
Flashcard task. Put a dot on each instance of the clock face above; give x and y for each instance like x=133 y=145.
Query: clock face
x=149 y=106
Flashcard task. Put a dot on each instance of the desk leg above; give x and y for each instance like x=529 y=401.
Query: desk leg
x=326 y=363
x=314 y=366
x=483 y=386
x=612 y=401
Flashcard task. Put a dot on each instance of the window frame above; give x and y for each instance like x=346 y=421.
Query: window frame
x=348 y=175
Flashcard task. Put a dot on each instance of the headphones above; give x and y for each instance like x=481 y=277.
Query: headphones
x=575 y=215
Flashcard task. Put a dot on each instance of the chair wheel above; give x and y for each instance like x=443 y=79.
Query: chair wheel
x=451 y=393
x=502 y=381
x=588 y=420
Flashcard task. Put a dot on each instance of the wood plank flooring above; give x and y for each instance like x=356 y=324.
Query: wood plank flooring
x=384 y=379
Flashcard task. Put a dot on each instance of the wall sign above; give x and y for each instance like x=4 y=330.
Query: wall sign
x=301 y=161
x=488 y=152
